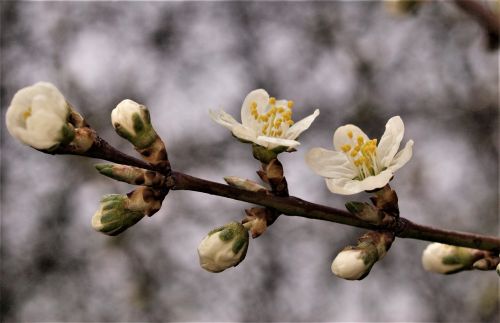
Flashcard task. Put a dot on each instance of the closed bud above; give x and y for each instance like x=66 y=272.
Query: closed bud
x=223 y=247
x=498 y=269
x=131 y=121
x=38 y=117
x=445 y=259
x=350 y=264
x=132 y=175
x=244 y=184
x=114 y=216
x=367 y=212
x=355 y=263
x=119 y=212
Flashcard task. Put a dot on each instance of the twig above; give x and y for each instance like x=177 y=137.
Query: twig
x=486 y=18
x=294 y=206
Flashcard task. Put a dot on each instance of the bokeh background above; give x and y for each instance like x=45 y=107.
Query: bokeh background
x=355 y=61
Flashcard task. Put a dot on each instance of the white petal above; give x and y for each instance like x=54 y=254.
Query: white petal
x=390 y=141
x=338 y=186
x=244 y=133
x=331 y=164
x=261 y=98
x=340 y=137
x=223 y=118
x=402 y=157
x=273 y=142
x=349 y=186
x=294 y=131
x=44 y=129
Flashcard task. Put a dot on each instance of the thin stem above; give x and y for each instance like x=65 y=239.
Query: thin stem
x=294 y=206
x=486 y=18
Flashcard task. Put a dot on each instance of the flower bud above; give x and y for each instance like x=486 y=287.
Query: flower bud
x=367 y=212
x=223 y=247
x=38 y=117
x=132 y=122
x=132 y=175
x=350 y=264
x=113 y=216
x=445 y=259
x=118 y=212
x=244 y=184
x=498 y=269
x=355 y=263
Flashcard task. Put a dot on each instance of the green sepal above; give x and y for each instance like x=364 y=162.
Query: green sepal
x=67 y=134
x=105 y=169
x=263 y=154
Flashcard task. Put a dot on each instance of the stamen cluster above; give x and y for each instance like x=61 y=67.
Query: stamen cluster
x=276 y=119
x=363 y=154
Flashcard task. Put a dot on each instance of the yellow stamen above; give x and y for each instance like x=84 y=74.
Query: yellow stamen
x=349 y=134
x=27 y=114
x=272 y=100
x=360 y=140
x=290 y=122
x=290 y=104
x=345 y=148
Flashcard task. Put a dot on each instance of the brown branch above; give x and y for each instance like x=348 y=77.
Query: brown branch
x=294 y=206
x=486 y=18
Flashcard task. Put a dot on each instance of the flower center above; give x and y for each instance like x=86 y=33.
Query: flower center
x=275 y=120
x=363 y=155
x=27 y=114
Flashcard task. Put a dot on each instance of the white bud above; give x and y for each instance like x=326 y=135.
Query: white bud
x=498 y=269
x=244 y=184
x=349 y=264
x=114 y=215
x=131 y=121
x=223 y=247
x=37 y=116
x=445 y=259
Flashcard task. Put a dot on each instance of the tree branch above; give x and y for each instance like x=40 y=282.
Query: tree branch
x=294 y=206
x=290 y=205
x=486 y=18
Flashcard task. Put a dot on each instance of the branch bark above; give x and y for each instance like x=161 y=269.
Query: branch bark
x=293 y=206
x=486 y=18
x=290 y=205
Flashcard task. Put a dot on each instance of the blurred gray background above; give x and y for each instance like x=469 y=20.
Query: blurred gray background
x=354 y=61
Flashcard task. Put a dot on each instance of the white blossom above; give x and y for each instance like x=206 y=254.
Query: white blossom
x=358 y=163
x=37 y=116
x=265 y=121
x=223 y=247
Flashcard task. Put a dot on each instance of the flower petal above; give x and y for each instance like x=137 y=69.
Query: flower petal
x=294 y=131
x=244 y=133
x=390 y=141
x=44 y=129
x=347 y=186
x=272 y=142
x=341 y=138
x=331 y=164
x=402 y=157
x=261 y=98
x=338 y=186
x=223 y=118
